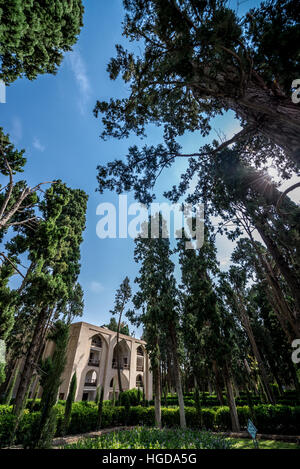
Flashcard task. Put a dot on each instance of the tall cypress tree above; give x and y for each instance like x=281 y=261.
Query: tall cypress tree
x=54 y=252
x=157 y=297
x=122 y=297
x=207 y=326
x=51 y=370
x=69 y=403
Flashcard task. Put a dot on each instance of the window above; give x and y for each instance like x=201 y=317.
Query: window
x=139 y=381
x=96 y=341
x=61 y=396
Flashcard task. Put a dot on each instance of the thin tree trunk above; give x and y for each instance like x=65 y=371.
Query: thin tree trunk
x=218 y=382
x=177 y=375
x=289 y=276
x=230 y=397
x=157 y=395
x=29 y=364
x=118 y=355
x=246 y=323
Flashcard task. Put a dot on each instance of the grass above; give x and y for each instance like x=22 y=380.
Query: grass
x=153 y=438
x=244 y=443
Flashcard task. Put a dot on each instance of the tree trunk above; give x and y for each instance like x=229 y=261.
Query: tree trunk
x=118 y=355
x=218 y=382
x=275 y=117
x=230 y=397
x=246 y=324
x=157 y=395
x=287 y=273
x=29 y=364
x=177 y=375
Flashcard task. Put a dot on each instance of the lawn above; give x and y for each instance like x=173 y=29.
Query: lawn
x=244 y=443
x=152 y=438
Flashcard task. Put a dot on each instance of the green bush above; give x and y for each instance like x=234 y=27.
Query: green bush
x=278 y=419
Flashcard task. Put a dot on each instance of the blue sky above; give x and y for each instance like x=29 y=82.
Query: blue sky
x=52 y=119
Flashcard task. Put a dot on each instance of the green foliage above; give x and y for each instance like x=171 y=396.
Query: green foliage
x=69 y=402
x=279 y=419
x=100 y=408
x=51 y=371
x=113 y=326
x=150 y=438
x=35 y=35
x=11 y=386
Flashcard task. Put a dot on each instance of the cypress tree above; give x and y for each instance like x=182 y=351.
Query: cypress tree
x=51 y=370
x=100 y=408
x=97 y=397
x=11 y=387
x=69 y=403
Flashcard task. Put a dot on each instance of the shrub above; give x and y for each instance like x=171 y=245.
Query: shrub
x=268 y=419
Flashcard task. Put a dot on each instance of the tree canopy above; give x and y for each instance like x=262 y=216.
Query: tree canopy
x=35 y=35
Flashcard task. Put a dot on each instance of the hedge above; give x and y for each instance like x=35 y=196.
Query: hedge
x=277 y=419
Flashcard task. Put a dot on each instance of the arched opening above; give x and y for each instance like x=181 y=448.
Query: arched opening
x=124 y=356
x=90 y=379
x=139 y=359
x=95 y=351
x=139 y=381
x=97 y=341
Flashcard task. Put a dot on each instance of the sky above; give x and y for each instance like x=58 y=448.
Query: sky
x=52 y=119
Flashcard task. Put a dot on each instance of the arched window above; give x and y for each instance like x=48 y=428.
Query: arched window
x=91 y=378
x=139 y=381
x=111 y=383
x=96 y=341
x=139 y=359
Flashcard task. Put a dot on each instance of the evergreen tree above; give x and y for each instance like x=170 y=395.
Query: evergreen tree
x=35 y=35
x=113 y=326
x=11 y=386
x=54 y=252
x=100 y=408
x=207 y=326
x=157 y=296
x=122 y=297
x=51 y=370
x=69 y=403
x=198 y=60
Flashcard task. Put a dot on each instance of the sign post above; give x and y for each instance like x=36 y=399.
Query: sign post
x=252 y=430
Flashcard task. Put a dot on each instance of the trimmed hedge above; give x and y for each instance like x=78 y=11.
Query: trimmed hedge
x=277 y=419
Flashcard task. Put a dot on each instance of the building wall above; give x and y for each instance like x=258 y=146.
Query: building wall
x=78 y=361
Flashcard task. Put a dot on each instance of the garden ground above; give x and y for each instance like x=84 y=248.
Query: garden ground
x=153 y=438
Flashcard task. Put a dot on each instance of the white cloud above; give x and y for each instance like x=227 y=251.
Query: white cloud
x=16 y=132
x=37 y=145
x=78 y=67
x=96 y=287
